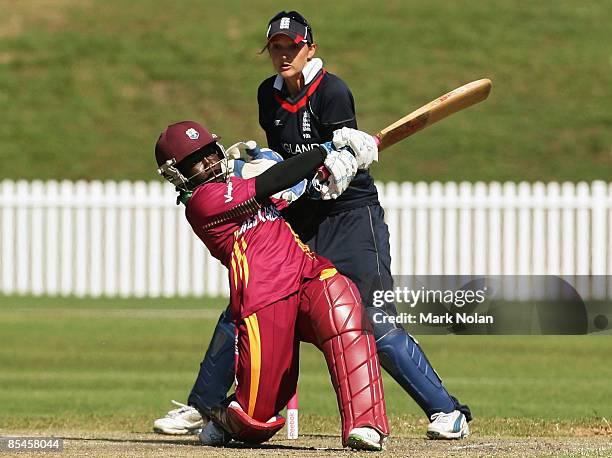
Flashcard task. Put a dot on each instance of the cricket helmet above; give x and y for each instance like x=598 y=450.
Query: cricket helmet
x=187 y=139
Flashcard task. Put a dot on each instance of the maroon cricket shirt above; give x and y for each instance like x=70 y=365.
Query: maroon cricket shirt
x=266 y=259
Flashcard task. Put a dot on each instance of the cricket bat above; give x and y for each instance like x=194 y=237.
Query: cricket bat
x=458 y=99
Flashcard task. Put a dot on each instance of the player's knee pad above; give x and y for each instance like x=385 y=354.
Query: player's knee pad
x=217 y=369
x=401 y=356
x=344 y=336
x=243 y=428
x=337 y=309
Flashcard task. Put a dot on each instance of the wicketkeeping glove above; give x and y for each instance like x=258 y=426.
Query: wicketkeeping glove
x=361 y=143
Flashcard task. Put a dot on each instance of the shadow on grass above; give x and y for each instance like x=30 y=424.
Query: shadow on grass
x=236 y=445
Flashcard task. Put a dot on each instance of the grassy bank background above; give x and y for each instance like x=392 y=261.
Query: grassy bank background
x=86 y=86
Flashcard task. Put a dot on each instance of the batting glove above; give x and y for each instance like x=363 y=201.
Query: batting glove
x=342 y=167
x=361 y=143
x=239 y=150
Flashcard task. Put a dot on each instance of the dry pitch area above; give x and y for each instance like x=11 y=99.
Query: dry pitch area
x=115 y=444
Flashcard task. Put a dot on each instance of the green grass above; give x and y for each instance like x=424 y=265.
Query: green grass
x=115 y=364
x=86 y=86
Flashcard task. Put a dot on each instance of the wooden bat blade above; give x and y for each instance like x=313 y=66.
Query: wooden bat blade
x=445 y=105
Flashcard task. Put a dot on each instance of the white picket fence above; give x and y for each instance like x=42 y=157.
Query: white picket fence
x=129 y=239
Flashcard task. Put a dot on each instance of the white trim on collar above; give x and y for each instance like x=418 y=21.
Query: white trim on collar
x=310 y=71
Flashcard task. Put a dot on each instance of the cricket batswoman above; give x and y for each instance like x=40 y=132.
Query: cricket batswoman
x=281 y=292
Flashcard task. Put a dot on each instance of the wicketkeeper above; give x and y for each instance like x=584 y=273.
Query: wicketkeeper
x=281 y=292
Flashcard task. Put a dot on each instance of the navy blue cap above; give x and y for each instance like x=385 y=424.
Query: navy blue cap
x=292 y=24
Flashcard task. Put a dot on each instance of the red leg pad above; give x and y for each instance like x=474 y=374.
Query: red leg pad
x=343 y=334
x=243 y=428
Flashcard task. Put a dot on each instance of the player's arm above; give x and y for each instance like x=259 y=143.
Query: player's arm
x=336 y=108
x=285 y=174
x=341 y=165
x=267 y=108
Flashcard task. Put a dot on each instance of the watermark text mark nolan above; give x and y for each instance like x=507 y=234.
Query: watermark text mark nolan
x=433 y=319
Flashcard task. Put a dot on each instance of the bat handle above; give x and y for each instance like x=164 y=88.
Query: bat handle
x=322 y=174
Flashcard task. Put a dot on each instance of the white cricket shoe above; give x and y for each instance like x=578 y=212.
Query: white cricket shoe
x=213 y=435
x=365 y=438
x=451 y=425
x=181 y=421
